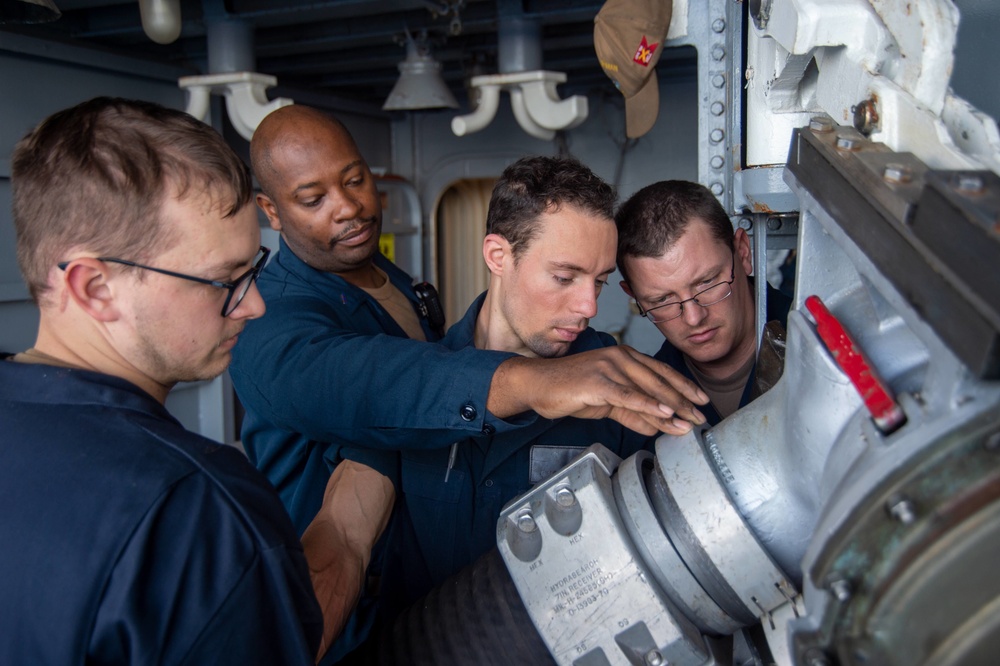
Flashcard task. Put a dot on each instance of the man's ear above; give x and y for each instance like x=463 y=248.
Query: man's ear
x=626 y=288
x=87 y=284
x=495 y=250
x=270 y=210
x=741 y=246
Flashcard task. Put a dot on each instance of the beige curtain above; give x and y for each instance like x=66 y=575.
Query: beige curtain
x=461 y=226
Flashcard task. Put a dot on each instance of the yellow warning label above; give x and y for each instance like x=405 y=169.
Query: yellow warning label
x=387 y=246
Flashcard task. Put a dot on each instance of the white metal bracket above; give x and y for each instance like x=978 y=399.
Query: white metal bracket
x=533 y=98
x=246 y=101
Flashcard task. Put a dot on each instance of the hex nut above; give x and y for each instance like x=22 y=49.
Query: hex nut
x=895 y=172
x=821 y=124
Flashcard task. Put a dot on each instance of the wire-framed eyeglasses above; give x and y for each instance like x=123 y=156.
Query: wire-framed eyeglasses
x=237 y=289
x=719 y=291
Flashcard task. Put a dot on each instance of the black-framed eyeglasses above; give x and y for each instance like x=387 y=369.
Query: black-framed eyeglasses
x=719 y=291
x=238 y=288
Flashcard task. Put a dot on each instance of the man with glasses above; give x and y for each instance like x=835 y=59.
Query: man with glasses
x=688 y=272
x=235 y=290
x=126 y=538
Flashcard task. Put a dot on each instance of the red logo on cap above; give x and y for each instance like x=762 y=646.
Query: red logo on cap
x=644 y=53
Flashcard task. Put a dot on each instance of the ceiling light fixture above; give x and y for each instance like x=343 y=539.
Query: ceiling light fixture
x=161 y=20
x=420 y=85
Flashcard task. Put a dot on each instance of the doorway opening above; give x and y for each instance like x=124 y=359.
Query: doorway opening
x=460 y=229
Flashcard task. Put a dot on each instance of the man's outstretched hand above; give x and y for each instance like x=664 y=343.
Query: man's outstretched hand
x=619 y=383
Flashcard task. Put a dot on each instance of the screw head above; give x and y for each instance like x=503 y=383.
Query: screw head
x=841 y=589
x=902 y=510
x=654 y=658
x=718 y=80
x=773 y=223
x=718 y=25
x=970 y=183
x=746 y=224
x=565 y=497
x=717 y=162
x=718 y=52
x=718 y=108
x=526 y=522
x=716 y=136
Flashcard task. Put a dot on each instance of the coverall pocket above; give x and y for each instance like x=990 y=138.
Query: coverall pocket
x=435 y=509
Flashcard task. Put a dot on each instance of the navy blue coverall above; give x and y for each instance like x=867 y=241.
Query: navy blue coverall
x=327 y=375
x=449 y=513
x=126 y=539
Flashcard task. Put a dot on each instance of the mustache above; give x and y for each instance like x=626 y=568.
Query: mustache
x=355 y=226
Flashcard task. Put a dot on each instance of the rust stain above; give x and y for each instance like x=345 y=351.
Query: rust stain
x=759 y=207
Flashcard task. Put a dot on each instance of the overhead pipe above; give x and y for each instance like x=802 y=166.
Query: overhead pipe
x=486 y=111
x=534 y=100
x=230 y=45
x=231 y=62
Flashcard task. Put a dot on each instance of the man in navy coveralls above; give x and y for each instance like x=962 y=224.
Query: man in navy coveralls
x=688 y=272
x=550 y=246
x=126 y=538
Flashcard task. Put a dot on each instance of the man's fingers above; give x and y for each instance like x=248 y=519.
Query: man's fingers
x=617 y=382
x=678 y=427
x=637 y=410
x=643 y=381
x=674 y=392
x=673 y=378
x=648 y=425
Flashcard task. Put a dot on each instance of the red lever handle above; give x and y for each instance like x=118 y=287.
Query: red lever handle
x=886 y=413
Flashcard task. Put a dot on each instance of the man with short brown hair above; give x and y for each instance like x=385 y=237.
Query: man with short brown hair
x=549 y=247
x=126 y=538
x=688 y=271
